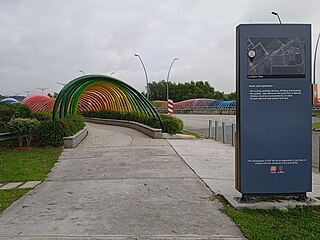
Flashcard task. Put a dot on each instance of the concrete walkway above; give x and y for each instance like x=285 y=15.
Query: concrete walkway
x=118 y=184
x=214 y=163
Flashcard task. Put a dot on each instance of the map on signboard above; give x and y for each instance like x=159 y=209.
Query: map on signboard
x=276 y=57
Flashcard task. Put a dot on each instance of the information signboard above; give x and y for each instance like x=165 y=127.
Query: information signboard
x=273 y=109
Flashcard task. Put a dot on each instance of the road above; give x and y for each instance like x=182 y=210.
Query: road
x=200 y=123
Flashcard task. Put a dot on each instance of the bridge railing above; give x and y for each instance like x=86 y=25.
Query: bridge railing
x=199 y=110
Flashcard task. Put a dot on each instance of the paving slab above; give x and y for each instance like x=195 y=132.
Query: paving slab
x=131 y=189
x=139 y=151
x=11 y=185
x=98 y=207
x=119 y=167
x=30 y=184
x=214 y=163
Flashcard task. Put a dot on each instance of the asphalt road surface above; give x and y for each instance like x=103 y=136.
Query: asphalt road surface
x=200 y=124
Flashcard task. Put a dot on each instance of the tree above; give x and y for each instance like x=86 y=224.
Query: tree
x=232 y=96
x=183 y=91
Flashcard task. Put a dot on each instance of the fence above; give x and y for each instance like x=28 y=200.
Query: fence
x=199 y=110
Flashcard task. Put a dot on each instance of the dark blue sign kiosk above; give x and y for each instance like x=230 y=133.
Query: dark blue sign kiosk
x=273 y=152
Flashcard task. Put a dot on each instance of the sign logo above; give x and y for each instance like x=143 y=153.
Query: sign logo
x=281 y=169
x=273 y=169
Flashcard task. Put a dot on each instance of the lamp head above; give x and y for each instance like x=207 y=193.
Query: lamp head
x=274 y=13
x=136 y=55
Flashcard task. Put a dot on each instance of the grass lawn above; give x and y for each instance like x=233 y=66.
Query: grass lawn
x=20 y=165
x=315 y=125
x=187 y=132
x=298 y=223
x=26 y=164
x=7 y=197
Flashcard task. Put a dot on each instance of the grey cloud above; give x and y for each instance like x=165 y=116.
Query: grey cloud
x=45 y=41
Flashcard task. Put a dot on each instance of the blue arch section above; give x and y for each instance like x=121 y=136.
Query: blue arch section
x=10 y=100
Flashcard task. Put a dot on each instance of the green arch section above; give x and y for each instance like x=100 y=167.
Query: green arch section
x=67 y=101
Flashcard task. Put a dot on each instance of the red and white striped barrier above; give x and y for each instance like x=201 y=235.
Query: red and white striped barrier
x=170 y=106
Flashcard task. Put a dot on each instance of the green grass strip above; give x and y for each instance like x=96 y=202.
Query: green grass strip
x=296 y=223
x=7 y=197
x=188 y=132
x=316 y=125
x=19 y=165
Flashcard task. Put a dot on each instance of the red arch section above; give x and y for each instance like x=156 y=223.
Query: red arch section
x=39 y=103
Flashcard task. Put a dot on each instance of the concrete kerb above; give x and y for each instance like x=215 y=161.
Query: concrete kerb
x=75 y=140
x=155 y=133
x=149 y=131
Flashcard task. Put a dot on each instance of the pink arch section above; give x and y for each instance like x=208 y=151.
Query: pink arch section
x=39 y=103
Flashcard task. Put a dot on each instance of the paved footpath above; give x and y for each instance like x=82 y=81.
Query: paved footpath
x=118 y=184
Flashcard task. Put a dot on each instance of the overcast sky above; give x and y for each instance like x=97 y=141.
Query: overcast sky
x=43 y=42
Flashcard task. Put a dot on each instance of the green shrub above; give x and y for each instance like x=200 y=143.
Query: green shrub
x=8 y=111
x=24 y=128
x=41 y=116
x=3 y=127
x=73 y=124
x=171 y=124
x=52 y=134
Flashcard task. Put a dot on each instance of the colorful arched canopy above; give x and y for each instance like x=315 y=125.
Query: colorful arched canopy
x=39 y=103
x=98 y=92
x=10 y=100
x=205 y=103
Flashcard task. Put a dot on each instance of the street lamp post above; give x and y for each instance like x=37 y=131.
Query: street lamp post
x=276 y=14
x=314 y=85
x=175 y=59
x=63 y=84
x=27 y=92
x=42 y=89
x=82 y=72
x=111 y=74
x=145 y=72
x=315 y=60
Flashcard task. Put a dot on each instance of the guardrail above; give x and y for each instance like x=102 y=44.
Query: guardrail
x=7 y=136
x=200 y=110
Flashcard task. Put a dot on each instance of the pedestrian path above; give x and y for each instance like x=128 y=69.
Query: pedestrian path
x=12 y=185
x=214 y=163
x=119 y=184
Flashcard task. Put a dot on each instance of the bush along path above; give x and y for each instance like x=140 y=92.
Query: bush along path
x=37 y=129
x=170 y=125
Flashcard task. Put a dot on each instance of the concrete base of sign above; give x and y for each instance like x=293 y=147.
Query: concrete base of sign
x=213 y=162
